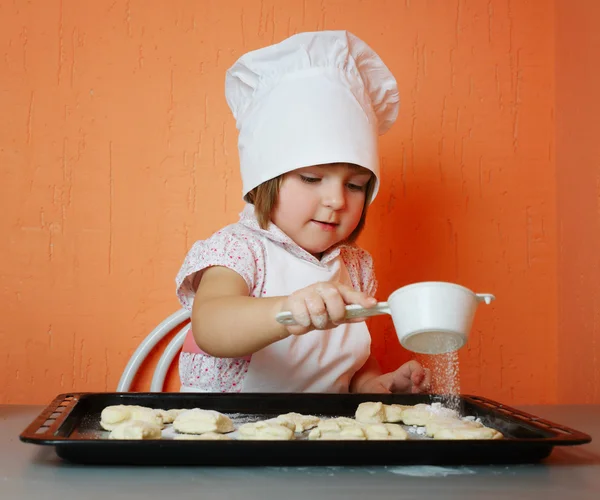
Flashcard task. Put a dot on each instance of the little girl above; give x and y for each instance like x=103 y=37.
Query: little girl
x=308 y=111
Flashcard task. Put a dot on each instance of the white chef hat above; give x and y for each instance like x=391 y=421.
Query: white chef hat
x=315 y=98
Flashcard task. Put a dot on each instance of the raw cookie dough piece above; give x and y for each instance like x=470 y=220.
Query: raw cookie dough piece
x=136 y=429
x=349 y=433
x=300 y=422
x=376 y=413
x=209 y=436
x=265 y=430
x=286 y=423
x=341 y=428
x=114 y=415
x=197 y=421
x=420 y=414
x=169 y=416
x=147 y=415
x=370 y=413
x=393 y=413
x=343 y=421
x=337 y=424
x=468 y=432
x=435 y=425
x=384 y=432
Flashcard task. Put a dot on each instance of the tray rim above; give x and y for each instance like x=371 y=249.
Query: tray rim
x=561 y=435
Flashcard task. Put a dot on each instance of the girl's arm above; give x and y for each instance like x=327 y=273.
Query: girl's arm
x=226 y=323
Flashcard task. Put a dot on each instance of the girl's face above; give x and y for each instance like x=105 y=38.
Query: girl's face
x=320 y=206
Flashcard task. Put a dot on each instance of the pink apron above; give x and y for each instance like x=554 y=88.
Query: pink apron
x=320 y=361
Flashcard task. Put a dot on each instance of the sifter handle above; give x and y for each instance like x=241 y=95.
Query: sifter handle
x=352 y=311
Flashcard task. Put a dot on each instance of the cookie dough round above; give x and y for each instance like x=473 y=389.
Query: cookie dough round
x=147 y=415
x=385 y=432
x=114 y=415
x=169 y=416
x=285 y=422
x=337 y=424
x=436 y=425
x=209 y=436
x=136 y=429
x=393 y=413
x=338 y=429
x=299 y=422
x=370 y=413
x=197 y=421
x=329 y=433
x=420 y=414
x=468 y=432
x=265 y=430
x=342 y=421
x=374 y=412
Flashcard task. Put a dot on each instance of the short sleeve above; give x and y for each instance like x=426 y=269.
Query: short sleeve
x=233 y=247
x=361 y=270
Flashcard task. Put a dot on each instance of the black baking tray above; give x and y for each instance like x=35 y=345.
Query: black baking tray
x=71 y=424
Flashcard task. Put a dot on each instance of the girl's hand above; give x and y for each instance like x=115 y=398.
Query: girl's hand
x=410 y=378
x=322 y=306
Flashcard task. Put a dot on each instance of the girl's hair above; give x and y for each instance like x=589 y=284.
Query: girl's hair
x=264 y=198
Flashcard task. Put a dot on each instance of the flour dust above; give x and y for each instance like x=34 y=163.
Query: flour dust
x=445 y=378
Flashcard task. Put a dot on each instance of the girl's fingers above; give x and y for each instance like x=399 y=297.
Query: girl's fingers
x=300 y=312
x=319 y=306
x=336 y=308
x=417 y=376
x=426 y=384
x=421 y=379
x=352 y=296
x=317 y=311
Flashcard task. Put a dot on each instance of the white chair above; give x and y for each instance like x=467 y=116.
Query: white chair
x=137 y=358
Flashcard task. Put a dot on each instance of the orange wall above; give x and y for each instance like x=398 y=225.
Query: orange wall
x=117 y=151
x=578 y=199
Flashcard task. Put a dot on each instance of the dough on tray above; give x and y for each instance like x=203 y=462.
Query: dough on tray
x=338 y=429
x=435 y=425
x=136 y=429
x=337 y=424
x=346 y=429
x=208 y=436
x=286 y=423
x=377 y=413
x=169 y=416
x=420 y=414
x=342 y=421
x=300 y=423
x=349 y=433
x=436 y=420
x=467 y=432
x=197 y=421
x=268 y=430
x=370 y=413
x=114 y=415
x=384 y=432
x=393 y=413
x=457 y=428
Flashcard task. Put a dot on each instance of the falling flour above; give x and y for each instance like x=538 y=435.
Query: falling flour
x=446 y=379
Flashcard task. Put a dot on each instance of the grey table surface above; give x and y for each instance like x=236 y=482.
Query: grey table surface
x=29 y=471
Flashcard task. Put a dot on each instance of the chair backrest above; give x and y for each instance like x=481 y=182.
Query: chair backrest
x=137 y=358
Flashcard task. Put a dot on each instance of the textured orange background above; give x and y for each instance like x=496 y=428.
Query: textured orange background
x=118 y=151
x=578 y=200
